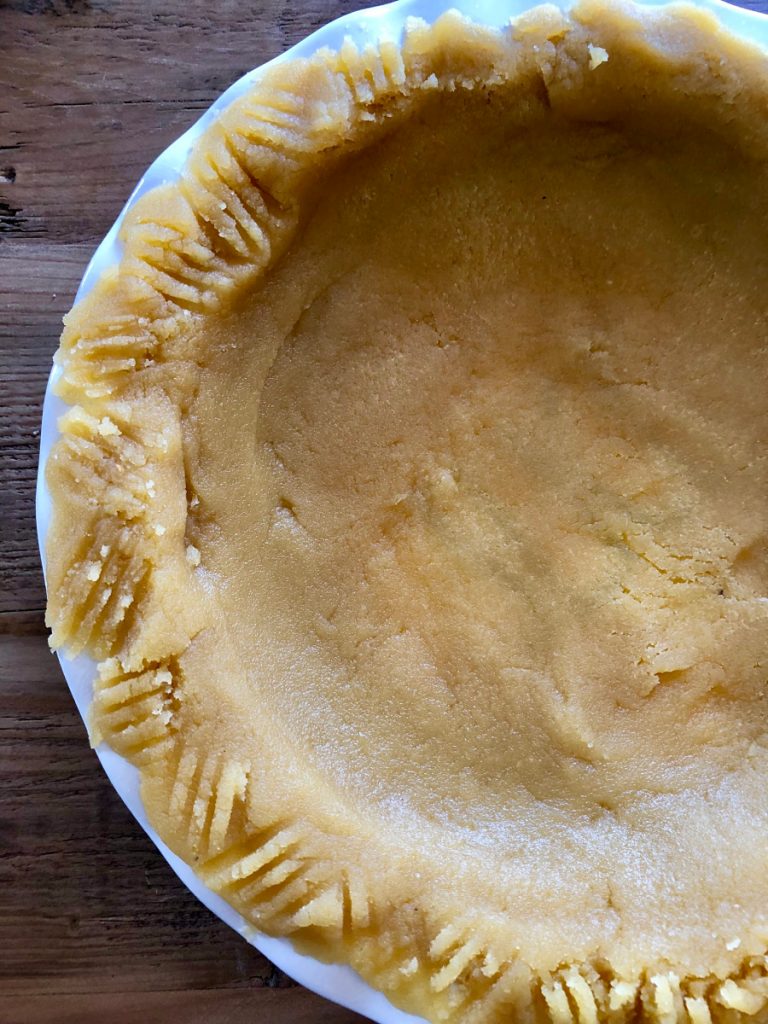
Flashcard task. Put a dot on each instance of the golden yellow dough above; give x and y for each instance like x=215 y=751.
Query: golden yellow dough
x=413 y=502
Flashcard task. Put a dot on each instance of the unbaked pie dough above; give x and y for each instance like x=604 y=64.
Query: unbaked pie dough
x=413 y=503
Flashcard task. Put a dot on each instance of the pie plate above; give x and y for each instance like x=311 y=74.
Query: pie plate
x=338 y=983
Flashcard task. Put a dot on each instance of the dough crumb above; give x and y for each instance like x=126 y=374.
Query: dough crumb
x=107 y=428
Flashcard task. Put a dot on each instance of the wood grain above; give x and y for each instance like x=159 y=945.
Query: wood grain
x=228 y=1006
x=93 y=925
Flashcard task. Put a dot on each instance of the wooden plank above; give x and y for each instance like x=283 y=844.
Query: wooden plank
x=93 y=92
x=38 y=280
x=296 y=1006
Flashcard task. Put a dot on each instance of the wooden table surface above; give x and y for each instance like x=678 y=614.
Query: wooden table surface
x=93 y=925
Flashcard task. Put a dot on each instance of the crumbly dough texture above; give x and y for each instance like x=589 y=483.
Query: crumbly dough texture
x=412 y=499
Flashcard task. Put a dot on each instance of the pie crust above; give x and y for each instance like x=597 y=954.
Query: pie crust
x=412 y=502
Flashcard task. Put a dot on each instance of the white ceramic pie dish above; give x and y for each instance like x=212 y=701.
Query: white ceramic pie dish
x=338 y=983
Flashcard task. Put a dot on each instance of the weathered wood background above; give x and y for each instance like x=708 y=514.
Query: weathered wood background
x=93 y=925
